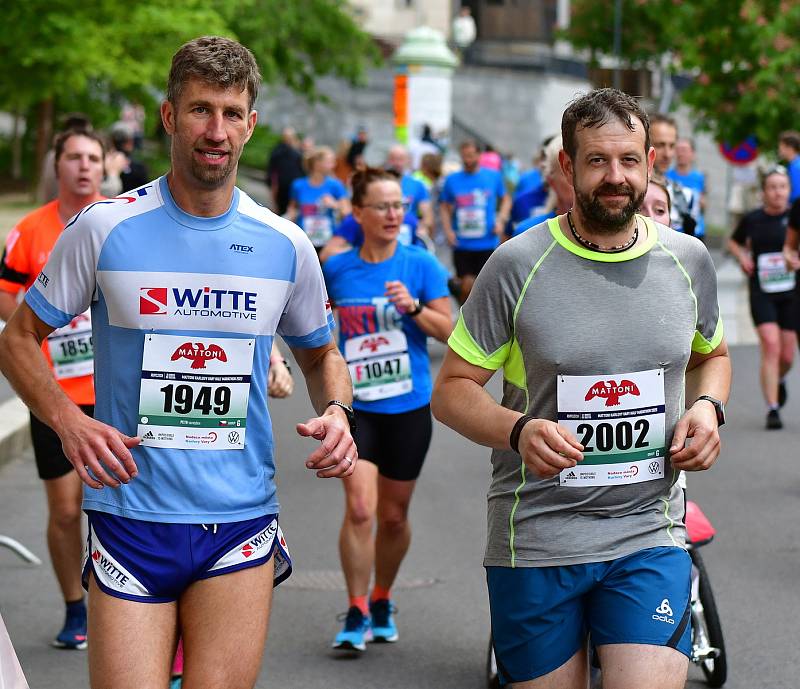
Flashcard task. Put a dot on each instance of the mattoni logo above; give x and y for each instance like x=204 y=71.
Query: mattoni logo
x=205 y=301
x=373 y=343
x=611 y=391
x=198 y=353
x=153 y=301
x=80 y=318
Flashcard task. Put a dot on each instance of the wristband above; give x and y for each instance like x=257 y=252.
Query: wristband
x=418 y=305
x=513 y=439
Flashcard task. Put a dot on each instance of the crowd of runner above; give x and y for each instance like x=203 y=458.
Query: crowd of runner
x=147 y=374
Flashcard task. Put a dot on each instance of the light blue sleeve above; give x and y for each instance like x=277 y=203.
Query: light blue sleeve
x=434 y=279
x=448 y=193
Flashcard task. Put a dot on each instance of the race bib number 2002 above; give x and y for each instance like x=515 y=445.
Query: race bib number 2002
x=620 y=421
x=195 y=392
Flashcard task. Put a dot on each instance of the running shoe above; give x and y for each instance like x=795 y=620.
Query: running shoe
x=73 y=635
x=782 y=394
x=774 y=420
x=356 y=631
x=383 y=626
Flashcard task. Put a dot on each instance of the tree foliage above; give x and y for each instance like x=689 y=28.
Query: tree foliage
x=102 y=50
x=743 y=56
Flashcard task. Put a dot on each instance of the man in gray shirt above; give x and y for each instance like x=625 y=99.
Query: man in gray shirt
x=607 y=328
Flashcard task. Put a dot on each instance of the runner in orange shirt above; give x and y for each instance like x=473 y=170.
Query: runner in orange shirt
x=79 y=157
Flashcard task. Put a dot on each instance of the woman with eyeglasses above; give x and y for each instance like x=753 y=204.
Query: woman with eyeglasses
x=758 y=244
x=389 y=298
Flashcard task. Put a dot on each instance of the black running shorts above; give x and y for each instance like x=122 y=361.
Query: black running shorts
x=780 y=308
x=50 y=459
x=470 y=262
x=396 y=443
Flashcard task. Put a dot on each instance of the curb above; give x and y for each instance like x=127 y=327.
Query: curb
x=15 y=436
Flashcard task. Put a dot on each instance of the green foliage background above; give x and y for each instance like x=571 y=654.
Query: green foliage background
x=743 y=55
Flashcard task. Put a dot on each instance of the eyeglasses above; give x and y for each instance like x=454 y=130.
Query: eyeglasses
x=384 y=207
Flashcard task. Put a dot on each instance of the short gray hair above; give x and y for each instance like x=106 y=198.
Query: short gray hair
x=217 y=61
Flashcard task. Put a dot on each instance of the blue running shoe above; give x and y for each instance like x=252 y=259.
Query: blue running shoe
x=383 y=627
x=356 y=631
x=73 y=635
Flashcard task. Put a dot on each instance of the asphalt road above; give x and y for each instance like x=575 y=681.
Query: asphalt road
x=751 y=496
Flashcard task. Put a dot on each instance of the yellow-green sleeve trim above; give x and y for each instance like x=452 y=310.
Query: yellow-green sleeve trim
x=703 y=346
x=463 y=344
x=629 y=255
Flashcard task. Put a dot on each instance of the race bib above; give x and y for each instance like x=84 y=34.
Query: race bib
x=620 y=421
x=318 y=228
x=471 y=222
x=405 y=236
x=71 y=348
x=773 y=275
x=379 y=365
x=194 y=392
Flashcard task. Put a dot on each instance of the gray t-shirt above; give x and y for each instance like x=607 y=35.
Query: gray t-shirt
x=544 y=309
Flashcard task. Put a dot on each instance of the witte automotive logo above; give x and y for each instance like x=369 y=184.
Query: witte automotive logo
x=153 y=301
x=198 y=353
x=205 y=301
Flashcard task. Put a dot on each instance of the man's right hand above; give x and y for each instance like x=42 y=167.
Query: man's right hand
x=747 y=265
x=92 y=446
x=548 y=448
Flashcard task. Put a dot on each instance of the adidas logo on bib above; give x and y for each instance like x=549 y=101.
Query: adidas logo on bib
x=664 y=612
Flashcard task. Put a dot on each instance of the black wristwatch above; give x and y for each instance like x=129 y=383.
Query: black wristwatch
x=348 y=410
x=418 y=305
x=719 y=407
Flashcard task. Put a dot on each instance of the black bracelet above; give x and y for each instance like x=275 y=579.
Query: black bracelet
x=513 y=439
x=288 y=368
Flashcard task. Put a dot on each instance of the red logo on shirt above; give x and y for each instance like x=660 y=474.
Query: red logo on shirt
x=198 y=353
x=80 y=318
x=611 y=391
x=373 y=343
x=248 y=550
x=153 y=300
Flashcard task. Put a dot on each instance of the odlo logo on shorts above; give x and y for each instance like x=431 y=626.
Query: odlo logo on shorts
x=664 y=612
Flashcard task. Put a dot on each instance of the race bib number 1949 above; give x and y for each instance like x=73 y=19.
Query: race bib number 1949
x=195 y=392
x=620 y=421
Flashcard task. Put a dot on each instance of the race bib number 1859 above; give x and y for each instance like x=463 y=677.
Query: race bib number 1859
x=620 y=421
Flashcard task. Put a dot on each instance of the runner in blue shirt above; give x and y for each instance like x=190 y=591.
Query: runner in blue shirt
x=789 y=150
x=560 y=195
x=389 y=299
x=349 y=235
x=685 y=173
x=189 y=281
x=320 y=200
x=415 y=194
x=471 y=219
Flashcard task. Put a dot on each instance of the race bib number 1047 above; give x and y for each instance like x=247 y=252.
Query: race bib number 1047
x=620 y=421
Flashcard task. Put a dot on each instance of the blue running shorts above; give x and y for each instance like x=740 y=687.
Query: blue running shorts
x=541 y=616
x=153 y=562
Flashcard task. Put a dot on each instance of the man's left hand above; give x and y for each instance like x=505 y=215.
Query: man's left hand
x=700 y=425
x=336 y=457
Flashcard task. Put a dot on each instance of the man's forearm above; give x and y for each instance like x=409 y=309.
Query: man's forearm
x=445 y=210
x=711 y=377
x=468 y=409
x=8 y=305
x=328 y=379
x=24 y=365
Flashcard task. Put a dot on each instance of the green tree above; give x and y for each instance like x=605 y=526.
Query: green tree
x=59 y=53
x=743 y=56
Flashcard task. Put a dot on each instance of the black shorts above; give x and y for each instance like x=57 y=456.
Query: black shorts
x=50 y=459
x=396 y=443
x=780 y=308
x=470 y=262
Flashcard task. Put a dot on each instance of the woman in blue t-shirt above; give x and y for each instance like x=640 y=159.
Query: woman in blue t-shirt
x=389 y=298
x=319 y=201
